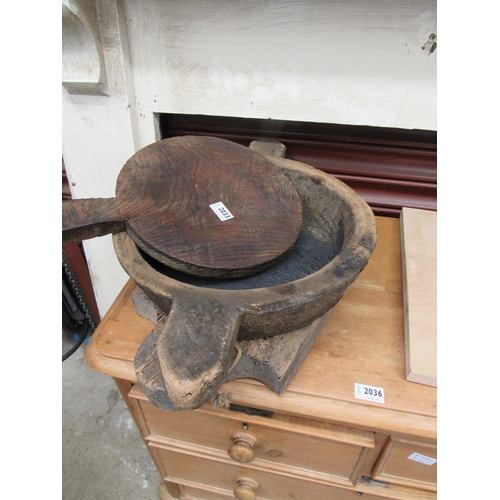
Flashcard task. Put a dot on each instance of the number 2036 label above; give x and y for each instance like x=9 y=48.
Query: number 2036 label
x=369 y=393
x=221 y=211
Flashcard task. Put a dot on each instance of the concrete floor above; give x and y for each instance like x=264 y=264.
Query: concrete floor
x=103 y=455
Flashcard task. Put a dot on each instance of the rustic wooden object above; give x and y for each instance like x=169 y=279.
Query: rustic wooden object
x=321 y=441
x=268 y=147
x=191 y=351
x=419 y=259
x=163 y=198
x=274 y=361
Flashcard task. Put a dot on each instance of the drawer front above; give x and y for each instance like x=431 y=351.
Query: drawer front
x=203 y=478
x=394 y=466
x=328 y=450
x=189 y=492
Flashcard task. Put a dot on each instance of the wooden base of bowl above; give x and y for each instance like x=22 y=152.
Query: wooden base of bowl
x=274 y=361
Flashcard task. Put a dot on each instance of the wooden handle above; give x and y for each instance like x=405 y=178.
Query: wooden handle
x=246 y=488
x=268 y=147
x=196 y=348
x=91 y=217
x=242 y=448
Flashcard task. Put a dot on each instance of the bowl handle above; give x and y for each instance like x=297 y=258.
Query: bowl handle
x=193 y=350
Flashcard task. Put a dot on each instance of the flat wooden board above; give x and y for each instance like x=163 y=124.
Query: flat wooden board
x=419 y=261
x=201 y=205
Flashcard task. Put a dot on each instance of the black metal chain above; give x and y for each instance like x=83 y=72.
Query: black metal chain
x=80 y=299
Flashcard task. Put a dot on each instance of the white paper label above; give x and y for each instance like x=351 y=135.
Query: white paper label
x=369 y=393
x=222 y=212
x=422 y=459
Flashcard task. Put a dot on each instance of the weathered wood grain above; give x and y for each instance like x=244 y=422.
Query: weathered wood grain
x=274 y=361
x=363 y=341
x=194 y=349
x=163 y=198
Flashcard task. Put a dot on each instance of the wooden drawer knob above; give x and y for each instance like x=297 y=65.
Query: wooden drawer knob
x=242 y=448
x=246 y=488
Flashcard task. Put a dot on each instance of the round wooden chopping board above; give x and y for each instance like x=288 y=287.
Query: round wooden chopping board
x=203 y=205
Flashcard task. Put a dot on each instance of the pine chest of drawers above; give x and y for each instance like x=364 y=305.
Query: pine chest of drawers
x=319 y=440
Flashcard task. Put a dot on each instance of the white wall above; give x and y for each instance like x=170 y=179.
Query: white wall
x=355 y=62
x=97 y=134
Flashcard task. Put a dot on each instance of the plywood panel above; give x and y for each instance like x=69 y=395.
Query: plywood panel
x=419 y=260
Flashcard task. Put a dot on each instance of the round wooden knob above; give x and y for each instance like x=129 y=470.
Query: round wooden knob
x=242 y=448
x=245 y=493
x=241 y=453
x=246 y=489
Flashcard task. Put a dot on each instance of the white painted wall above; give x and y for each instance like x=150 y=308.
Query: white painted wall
x=351 y=62
x=357 y=62
x=97 y=137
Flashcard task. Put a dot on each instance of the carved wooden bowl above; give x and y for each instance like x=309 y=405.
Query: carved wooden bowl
x=184 y=360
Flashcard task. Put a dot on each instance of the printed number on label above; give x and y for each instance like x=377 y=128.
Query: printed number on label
x=369 y=393
x=417 y=457
x=221 y=211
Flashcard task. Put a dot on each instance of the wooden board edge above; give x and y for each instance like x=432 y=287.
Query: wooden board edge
x=404 y=279
x=338 y=412
x=99 y=362
x=411 y=376
x=109 y=366
x=421 y=379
